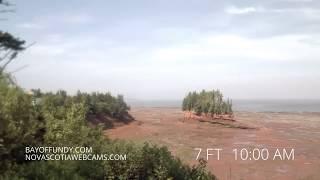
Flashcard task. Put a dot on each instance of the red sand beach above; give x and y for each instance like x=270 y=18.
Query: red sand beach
x=272 y=131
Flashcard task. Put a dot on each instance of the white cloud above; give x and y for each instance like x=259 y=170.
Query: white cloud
x=207 y=61
x=202 y=51
x=233 y=47
x=237 y=10
x=30 y=25
x=47 y=50
x=61 y=19
x=77 y=18
x=299 y=1
x=134 y=51
x=307 y=12
x=312 y=14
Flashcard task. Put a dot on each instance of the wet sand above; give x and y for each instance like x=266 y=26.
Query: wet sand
x=298 y=131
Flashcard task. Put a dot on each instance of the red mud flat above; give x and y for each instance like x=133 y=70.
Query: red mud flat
x=298 y=131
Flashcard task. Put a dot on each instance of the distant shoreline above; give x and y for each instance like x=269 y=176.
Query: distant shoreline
x=295 y=106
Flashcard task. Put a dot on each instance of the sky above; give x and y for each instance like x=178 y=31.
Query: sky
x=160 y=50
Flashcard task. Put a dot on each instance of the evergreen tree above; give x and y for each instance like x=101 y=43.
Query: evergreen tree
x=207 y=102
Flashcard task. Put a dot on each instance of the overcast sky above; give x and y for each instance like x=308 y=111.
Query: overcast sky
x=148 y=49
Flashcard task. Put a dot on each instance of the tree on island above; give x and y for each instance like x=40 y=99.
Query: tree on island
x=207 y=103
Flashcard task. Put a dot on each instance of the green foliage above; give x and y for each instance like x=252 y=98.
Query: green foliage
x=207 y=102
x=96 y=103
x=71 y=125
x=152 y=162
x=56 y=119
x=18 y=122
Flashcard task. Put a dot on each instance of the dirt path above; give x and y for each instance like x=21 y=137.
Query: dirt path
x=298 y=131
